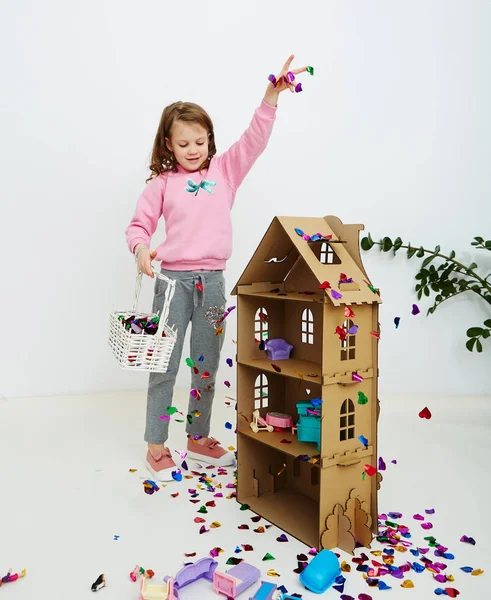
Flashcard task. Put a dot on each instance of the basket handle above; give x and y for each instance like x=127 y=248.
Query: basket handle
x=169 y=293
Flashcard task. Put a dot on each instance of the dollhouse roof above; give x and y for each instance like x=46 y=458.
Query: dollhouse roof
x=283 y=244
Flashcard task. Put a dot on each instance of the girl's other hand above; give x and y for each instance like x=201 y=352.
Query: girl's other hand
x=145 y=258
x=281 y=84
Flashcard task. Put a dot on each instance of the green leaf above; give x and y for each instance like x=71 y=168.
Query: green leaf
x=366 y=244
x=486 y=333
x=386 y=244
x=428 y=260
x=411 y=252
x=471 y=343
x=474 y=331
x=420 y=293
x=452 y=254
x=487 y=322
x=427 y=291
x=479 y=240
x=472 y=266
x=421 y=252
x=479 y=345
x=437 y=249
x=397 y=243
x=488 y=245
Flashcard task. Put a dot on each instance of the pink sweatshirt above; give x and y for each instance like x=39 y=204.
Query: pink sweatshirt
x=196 y=206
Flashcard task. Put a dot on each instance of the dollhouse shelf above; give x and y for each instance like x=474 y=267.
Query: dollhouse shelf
x=289 y=368
x=290 y=511
x=315 y=297
x=273 y=440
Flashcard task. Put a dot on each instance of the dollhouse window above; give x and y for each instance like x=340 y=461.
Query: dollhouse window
x=261 y=392
x=261 y=324
x=324 y=253
x=347 y=421
x=348 y=344
x=307 y=327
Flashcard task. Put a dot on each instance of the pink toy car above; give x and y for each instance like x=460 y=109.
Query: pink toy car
x=235 y=580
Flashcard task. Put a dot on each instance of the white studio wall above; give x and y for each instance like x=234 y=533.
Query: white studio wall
x=393 y=131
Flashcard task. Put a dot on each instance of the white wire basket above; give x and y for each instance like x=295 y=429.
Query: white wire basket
x=144 y=351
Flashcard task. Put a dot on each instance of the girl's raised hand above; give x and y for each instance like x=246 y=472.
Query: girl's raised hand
x=284 y=80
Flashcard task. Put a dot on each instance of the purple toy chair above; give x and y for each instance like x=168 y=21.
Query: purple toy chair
x=278 y=349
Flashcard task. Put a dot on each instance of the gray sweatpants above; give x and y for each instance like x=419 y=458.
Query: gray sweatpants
x=189 y=305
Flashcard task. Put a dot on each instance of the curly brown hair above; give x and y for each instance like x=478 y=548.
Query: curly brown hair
x=162 y=159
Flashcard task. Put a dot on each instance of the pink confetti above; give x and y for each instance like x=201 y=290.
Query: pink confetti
x=227 y=383
x=364 y=597
x=426 y=526
x=164 y=418
x=418 y=517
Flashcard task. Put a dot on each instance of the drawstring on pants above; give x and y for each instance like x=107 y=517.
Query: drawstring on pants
x=198 y=278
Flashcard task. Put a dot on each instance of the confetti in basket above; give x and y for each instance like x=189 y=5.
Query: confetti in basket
x=147 y=344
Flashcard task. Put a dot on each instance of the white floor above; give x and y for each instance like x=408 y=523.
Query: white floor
x=66 y=491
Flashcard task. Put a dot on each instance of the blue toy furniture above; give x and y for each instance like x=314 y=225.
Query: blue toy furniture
x=309 y=425
x=321 y=572
x=278 y=349
x=265 y=592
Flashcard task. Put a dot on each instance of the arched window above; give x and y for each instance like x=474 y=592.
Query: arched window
x=307 y=326
x=348 y=344
x=347 y=421
x=261 y=392
x=327 y=255
x=261 y=324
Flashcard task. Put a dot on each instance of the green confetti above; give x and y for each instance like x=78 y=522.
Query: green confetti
x=179 y=420
x=203 y=510
x=362 y=399
x=171 y=410
x=268 y=556
x=244 y=507
x=190 y=419
x=310 y=70
x=391 y=524
x=190 y=362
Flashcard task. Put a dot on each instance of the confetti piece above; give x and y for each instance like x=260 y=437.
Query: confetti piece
x=227 y=383
x=407 y=584
x=244 y=507
x=177 y=475
x=369 y=470
x=272 y=573
x=195 y=370
x=215 y=525
x=477 y=572
x=381 y=464
x=383 y=586
x=203 y=510
x=229 y=362
x=353 y=330
x=201 y=358
x=259 y=530
x=364 y=597
x=218 y=331
x=234 y=561
x=285 y=441
x=175 y=495
x=247 y=547
x=116 y=537
x=362 y=399
x=430 y=511
x=205 y=375
x=199 y=520
x=282 y=538
x=276 y=368
x=375 y=334
x=336 y=295
x=214 y=552
x=243 y=526
x=397 y=320
x=356 y=377
x=452 y=592
x=418 y=517
x=268 y=556
x=325 y=285
x=228 y=425
x=132 y=470
x=415 y=310
x=425 y=413
x=190 y=362
x=363 y=440
x=199 y=286
x=203 y=529
x=196 y=394
x=468 y=540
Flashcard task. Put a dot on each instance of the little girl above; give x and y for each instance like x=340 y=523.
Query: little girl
x=194 y=190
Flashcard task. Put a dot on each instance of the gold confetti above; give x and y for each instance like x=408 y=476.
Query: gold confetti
x=218 y=331
x=133 y=470
x=300 y=374
x=259 y=530
x=376 y=552
x=188 y=476
x=345 y=567
x=273 y=573
x=388 y=560
x=231 y=448
x=401 y=549
x=450 y=577
x=230 y=497
x=215 y=525
x=477 y=572
x=407 y=584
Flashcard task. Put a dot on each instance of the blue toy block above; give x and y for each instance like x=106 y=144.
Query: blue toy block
x=265 y=592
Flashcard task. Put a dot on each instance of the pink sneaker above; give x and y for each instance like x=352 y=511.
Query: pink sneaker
x=208 y=450
x=161 y=466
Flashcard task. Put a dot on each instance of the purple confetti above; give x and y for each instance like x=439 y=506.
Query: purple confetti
x=381 y=464
x=415 y=310
x=336 y=295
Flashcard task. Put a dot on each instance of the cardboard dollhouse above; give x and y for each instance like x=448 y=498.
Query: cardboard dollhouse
x=315 y=296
